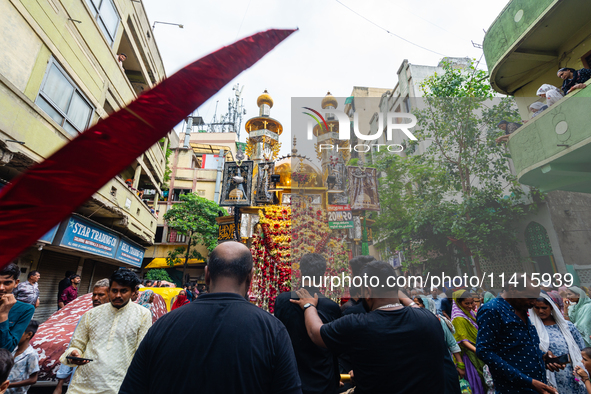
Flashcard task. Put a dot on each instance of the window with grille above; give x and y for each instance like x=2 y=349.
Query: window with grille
x=63 y=101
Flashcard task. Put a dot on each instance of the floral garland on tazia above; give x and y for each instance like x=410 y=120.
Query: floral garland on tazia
x=271 y=255
x=311 y=234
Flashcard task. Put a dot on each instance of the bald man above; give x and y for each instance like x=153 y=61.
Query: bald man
x=234 y=346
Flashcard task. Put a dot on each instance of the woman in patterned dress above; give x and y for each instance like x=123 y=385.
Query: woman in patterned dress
x=560 y=337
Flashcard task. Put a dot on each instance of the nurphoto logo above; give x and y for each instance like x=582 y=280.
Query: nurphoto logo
x=318 y=117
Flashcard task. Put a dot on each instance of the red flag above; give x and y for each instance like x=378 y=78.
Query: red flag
x=51 y=190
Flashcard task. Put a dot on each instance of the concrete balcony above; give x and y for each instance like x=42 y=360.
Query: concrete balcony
x=134 y=216
x=156 y=161
x=529 y=40
x=553 y=150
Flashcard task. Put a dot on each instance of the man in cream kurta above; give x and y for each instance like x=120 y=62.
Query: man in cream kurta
x=109 y=335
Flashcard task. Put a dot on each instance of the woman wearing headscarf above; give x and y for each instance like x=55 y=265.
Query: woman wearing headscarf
x=551 y=93
x=557 y=299
x=146 y=299
x=560 y=337
x=466 y=328
x=485 y=297
x=579 y=312
x=488 y=296
x=181 y=300
x=573 y=79
x=450 y=372
x=537 y=108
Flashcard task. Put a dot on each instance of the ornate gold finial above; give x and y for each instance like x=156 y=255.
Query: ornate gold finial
x=329 y=101
x=265 y=98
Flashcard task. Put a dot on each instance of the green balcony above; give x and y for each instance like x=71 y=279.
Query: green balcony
x=553 y=150
x=530 y=39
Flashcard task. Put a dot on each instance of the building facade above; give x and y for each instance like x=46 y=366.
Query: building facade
x=65 y=66
x=524 y=48
x=195 y=167
x=551 y=238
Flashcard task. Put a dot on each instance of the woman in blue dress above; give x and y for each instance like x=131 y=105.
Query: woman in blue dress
x=560 y=337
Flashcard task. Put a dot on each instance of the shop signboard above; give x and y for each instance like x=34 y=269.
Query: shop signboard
x=83 y=235
x=130 y=253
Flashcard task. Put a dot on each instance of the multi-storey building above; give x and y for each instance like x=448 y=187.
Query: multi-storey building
x=195 y=167
x=524 y=48
x=63 y=67
x=407 y=90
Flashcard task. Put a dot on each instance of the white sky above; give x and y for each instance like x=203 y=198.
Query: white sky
x=334 y=48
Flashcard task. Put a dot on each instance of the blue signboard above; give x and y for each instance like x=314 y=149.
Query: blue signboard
x=130 y=253
x=88 y=237
x=50 y=235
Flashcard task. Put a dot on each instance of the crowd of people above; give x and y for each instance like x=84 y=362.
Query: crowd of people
x=384 y=339
x=572 y=80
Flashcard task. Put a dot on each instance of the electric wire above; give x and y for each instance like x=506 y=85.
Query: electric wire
x=243 y=17
x=388 y=31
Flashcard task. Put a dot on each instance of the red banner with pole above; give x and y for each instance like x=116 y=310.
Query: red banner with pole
x=49 y=191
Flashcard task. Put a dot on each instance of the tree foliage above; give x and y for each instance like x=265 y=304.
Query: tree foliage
x=158 y=274
x=458 y=195
x=194 y=217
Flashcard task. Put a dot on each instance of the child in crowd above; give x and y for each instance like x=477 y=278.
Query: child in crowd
x=580 y=372
x=6 y=363
x=26 y=363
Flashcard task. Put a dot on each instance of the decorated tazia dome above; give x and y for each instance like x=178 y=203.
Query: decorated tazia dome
x=263 y=131
x=265 y=98
x=329 y=101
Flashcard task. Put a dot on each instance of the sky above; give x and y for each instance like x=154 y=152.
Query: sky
x=334 y=50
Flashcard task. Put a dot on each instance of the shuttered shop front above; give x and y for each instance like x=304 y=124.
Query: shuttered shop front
x=52 y=267
x=92 y=272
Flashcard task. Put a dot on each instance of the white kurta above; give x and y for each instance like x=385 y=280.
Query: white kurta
x=110 y=337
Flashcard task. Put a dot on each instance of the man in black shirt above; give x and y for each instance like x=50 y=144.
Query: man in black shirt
x=354 y=304
x=235 y=347
x=394 y=349
x=318 y=367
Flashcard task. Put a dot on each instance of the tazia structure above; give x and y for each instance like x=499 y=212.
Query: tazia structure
x=283 y=237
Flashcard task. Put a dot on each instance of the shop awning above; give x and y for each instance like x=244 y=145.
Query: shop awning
x=161 y=263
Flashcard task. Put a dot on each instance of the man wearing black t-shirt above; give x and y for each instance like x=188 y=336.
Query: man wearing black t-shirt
x=318 y=367
x=394 y=349
x=235 y=347
x=354 y=304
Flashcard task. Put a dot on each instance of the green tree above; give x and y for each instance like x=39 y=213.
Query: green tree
x=158 y=274
x=194 y=217
x=458 y=196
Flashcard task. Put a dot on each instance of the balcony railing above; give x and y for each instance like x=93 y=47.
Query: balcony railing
x=141 y=220
x=553 y=150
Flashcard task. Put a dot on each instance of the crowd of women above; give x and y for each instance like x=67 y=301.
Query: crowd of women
x=561 y=317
